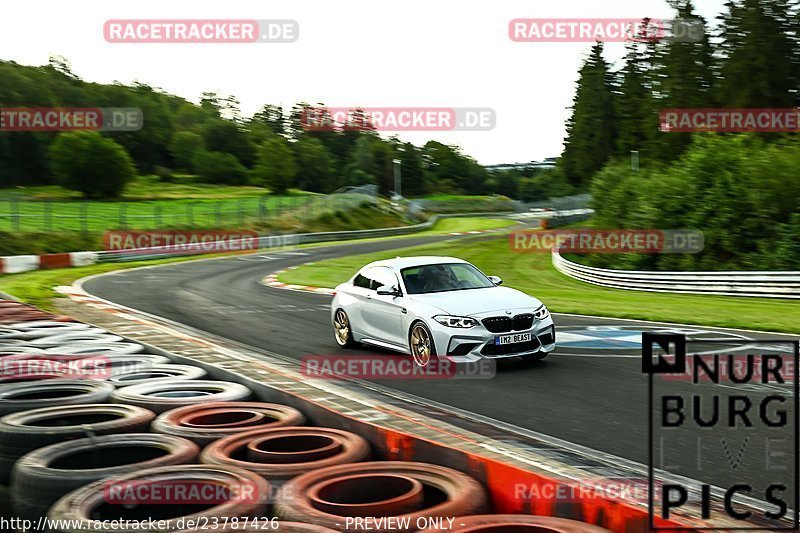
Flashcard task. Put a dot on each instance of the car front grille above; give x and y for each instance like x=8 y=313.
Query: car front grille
x=498 y=324
x=492 y=349
x=504 y=324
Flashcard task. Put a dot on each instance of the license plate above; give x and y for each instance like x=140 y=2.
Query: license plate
x=513 y=339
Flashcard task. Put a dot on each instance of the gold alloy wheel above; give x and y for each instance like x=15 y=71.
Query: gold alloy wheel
x=420 y=345
x=342 y=327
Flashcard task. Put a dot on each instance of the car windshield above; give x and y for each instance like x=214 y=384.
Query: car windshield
x=444 y=277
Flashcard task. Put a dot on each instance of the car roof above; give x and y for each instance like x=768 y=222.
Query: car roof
x=399 y=263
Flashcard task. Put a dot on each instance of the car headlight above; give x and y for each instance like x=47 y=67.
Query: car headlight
x=455 y=321
x=541 y=313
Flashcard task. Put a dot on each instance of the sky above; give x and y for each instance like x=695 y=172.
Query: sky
x=415 y=53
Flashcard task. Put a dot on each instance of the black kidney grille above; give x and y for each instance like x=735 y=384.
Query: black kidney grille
x=523 y=322
x=503 y=324
x=498 y=324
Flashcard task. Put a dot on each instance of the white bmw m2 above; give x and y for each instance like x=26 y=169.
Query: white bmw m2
x=440 y=307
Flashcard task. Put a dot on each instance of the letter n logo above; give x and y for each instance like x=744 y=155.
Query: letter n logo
x=672 y=361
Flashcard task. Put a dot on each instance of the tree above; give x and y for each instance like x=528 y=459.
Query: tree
x=591 y=130
x=86 y=161
x=183 y=147
x=683 y=78
x=226 y=136
x=275 y=167
x=219 y=167
x=315 y=170
x=637 y=120
x=759 y=55
x=412 y=170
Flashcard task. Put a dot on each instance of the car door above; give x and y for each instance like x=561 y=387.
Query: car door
x=361 y=291
x=383 y=314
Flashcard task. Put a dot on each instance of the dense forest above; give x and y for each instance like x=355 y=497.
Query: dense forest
x=742 y=190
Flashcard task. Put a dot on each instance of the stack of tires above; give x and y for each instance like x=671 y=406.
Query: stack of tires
x=92 y=429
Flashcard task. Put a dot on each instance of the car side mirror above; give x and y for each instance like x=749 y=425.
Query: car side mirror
x=496 y=280
x=388 y=290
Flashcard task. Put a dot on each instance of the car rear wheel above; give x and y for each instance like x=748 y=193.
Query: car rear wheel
x=421 y=344
x=342 y=331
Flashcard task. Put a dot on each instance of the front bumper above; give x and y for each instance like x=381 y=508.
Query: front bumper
x=476 y=343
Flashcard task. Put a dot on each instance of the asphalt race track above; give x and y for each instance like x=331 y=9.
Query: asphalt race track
x=590 y=392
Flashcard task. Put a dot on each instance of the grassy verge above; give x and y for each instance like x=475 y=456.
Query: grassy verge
x=37 y=287
x=533 y=273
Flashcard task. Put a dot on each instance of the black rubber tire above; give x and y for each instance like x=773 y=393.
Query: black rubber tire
x=172 y=422
x=24 y=432
x=463 y=495
x=156 y=374
x=145 y=395
x=15 y=397
x=36 y=483
x=79 y=506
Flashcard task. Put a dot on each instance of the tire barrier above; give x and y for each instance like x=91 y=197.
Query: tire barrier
x=78 y=337
x=156 y=374
x=41 y=477
x=62 y=444
x=385 y=487
x=282 y=453
x=208 y=422
x=41 y=328
x=512 y=523
x=99 y=348
x=166 y=395
x=121 y=364
x=23 y=396
x=84 y=506
x=26 y=431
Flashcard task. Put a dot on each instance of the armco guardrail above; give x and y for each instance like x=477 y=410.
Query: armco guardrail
x=761 y=284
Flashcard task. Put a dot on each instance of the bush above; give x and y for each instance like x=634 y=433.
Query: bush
x=87 y=162
x=164 y=174
x=739 y=191
x=219 y=167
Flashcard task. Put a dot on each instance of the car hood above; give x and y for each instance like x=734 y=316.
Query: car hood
x=477 y=301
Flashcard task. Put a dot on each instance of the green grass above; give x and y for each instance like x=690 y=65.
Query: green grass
x=146 y=204
x=534 y=274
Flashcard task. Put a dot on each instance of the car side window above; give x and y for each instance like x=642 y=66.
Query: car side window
x=382 y=276
x=362 y=281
